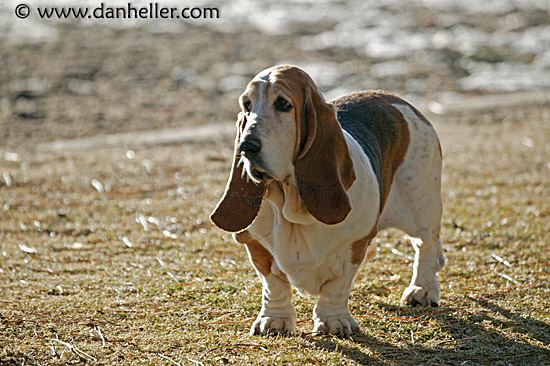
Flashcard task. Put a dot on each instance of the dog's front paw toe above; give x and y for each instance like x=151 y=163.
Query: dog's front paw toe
x=340 y=325
x=416 y=295
x=266 y=325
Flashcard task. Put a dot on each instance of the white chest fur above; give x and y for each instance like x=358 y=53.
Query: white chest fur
x=309 y=252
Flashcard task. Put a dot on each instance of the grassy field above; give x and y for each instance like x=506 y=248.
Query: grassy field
x=108 y=257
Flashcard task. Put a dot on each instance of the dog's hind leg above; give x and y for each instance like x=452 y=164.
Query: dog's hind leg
x=415 y=206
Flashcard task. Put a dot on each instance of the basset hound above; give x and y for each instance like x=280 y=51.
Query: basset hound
x=313 y=182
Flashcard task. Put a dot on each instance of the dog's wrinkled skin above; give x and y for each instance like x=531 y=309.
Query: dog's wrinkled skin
x=275 y=129
x=306 y=196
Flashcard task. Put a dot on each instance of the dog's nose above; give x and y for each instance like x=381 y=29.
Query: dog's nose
x=250 y=147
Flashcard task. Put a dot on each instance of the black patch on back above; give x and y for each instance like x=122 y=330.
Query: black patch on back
x=370 y=119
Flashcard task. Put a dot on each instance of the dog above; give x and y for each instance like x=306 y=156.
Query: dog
x=312 y=183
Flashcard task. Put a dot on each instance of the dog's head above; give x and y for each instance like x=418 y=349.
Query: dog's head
x=286 y=132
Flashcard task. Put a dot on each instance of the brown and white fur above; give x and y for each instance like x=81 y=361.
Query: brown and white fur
x=306 y=197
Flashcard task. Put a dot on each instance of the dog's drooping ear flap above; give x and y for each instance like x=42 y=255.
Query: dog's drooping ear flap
x=242 y=198
x=324 y=169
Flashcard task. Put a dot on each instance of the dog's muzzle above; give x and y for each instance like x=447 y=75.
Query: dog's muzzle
x=250 y=147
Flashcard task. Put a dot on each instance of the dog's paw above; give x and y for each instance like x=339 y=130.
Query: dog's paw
x=340 y=325
x=266 y=325
x=421 y=295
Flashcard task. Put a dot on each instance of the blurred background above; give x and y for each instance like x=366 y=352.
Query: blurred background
x=74 y=78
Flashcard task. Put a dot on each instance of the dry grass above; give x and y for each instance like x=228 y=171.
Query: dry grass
x=134 y=273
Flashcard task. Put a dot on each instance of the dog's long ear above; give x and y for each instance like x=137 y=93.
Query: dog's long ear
x=242 y=198
x=324 y=169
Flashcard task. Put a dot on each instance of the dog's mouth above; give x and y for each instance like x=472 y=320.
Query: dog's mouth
x=254 y=170
x=259 y=174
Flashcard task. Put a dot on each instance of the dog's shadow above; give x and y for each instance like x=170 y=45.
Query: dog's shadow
x=471 y=340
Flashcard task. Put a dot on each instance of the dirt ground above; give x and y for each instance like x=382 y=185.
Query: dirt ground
x=98 y=80
x=107 y=255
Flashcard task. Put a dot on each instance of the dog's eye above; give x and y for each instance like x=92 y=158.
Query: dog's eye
x=247 y=105
x=281 y=104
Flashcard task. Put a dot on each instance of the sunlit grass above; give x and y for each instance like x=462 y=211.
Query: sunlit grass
x=130 y=271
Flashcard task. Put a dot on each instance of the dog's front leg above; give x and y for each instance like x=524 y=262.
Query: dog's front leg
x=331 y=314
x=278 y=315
